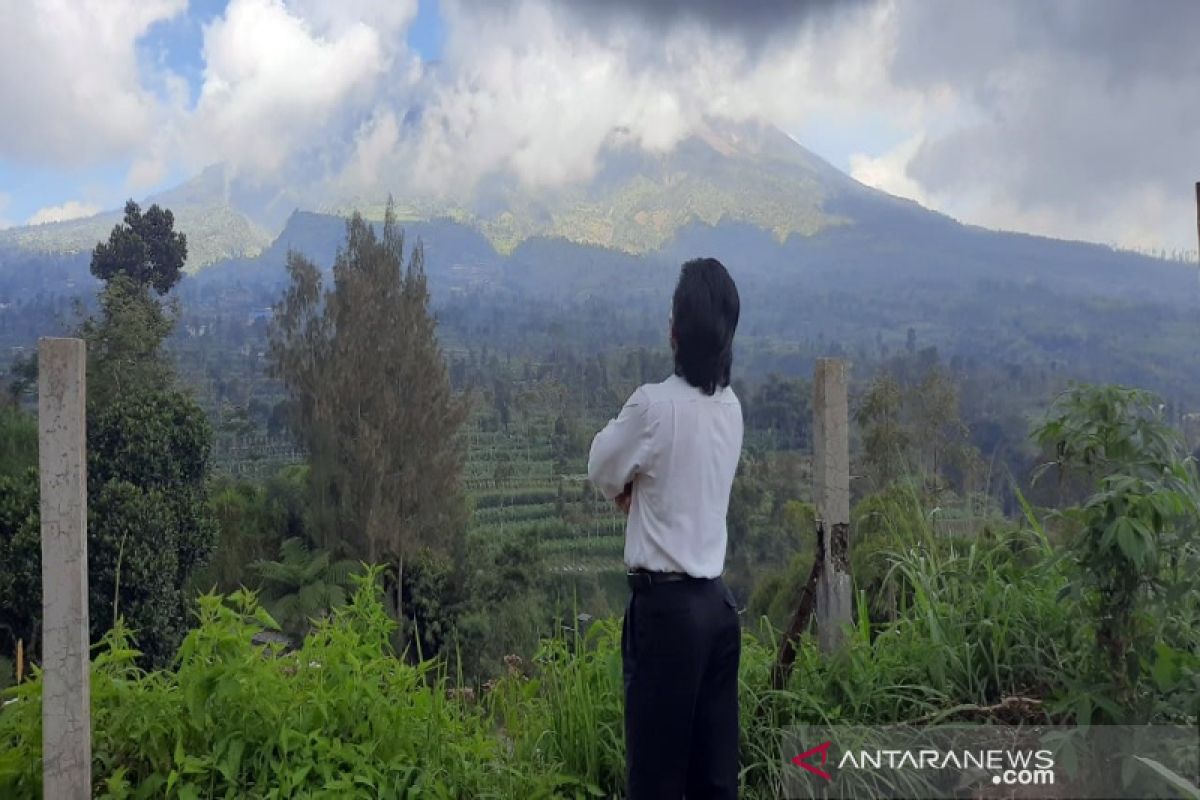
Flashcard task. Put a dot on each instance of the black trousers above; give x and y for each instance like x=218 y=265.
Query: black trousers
x=680 y=647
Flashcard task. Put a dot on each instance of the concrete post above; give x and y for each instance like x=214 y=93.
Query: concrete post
x=831 y=475
x=66 y=689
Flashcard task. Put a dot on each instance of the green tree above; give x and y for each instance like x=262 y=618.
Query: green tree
x=18 y=440
x=885 y=437
x=1134 y=539
x=782 y=406
x=253 y=518
x=125 y=343
x=938 y=432
x=149 y=524
x=150 y=527
x=372 y=401
x=304 y=585
x=20 y=562
x=146 y=248
x=142 y=258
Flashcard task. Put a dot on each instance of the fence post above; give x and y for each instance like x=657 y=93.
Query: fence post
x=66 y=690
x=831 y=476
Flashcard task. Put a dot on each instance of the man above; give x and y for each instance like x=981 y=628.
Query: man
x=668 y=461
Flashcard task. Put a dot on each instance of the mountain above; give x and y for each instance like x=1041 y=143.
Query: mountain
x=223 y=219
x=636 y=201
x=823 y=263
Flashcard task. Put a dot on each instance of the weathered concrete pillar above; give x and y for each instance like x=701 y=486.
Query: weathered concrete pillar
x=66 y=688
x=831 y=475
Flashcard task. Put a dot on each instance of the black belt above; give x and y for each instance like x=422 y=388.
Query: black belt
x=641 y=578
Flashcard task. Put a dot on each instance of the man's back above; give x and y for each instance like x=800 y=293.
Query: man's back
x=686 y=445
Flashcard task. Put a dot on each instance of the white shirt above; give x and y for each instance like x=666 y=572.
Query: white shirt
x=680 y=448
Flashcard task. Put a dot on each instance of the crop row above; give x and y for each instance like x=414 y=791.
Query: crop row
x=546 y=529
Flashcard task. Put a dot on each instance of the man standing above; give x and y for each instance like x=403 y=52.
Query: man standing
x=668 y=461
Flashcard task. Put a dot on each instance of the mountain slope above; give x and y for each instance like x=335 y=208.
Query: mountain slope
x=636 y=201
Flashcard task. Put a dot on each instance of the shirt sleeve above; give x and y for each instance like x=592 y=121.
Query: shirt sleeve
x=621 y=449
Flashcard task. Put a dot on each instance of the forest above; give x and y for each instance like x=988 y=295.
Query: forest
x=341 y=541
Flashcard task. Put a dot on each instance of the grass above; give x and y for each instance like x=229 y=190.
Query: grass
x=975 y=623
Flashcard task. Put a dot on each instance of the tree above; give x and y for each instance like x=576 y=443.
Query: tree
x=1133 y=540
x=143 y=256
x=783 y=407
x=150 y=527
x=146 y=249
x=886 y=439
x=304 y=585
x=18 y=440
x=20 y=562
x=372 y=401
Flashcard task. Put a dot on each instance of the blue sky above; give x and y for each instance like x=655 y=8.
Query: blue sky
x=174 y=44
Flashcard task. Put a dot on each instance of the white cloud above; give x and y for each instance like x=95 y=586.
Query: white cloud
x=1070 y=119
x=5 y=202
x=69 y=78
x=278 y=84
x=72 y=209
x=526 y=89
x=889 y=172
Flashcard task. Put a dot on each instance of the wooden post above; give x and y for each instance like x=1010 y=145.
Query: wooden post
x=66 y=690
x=1198 y=218
x=831 y=474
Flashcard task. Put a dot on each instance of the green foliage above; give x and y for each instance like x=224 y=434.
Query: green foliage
x=252 y=519
x=373 y=404
x=912 y=428
x=885 y=438
x=1135 y=539
x=781 y=406
x=507 y=608
x=125 y=343
x=18 y=440
x=146 y=249
x=150 y=528
x=304 y=585
x=20 y=561
x=341 y=717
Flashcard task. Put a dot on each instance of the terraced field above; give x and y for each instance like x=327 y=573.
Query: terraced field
x=518 y=488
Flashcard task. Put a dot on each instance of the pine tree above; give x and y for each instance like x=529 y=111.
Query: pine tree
x=372 y=401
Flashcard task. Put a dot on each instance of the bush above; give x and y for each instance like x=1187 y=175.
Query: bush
x=340 y=717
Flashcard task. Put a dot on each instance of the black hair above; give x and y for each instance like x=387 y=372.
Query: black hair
x=705 y=313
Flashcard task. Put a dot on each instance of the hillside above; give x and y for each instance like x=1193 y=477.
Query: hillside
x=822 y=261
x=215 y=232
x=637 y=202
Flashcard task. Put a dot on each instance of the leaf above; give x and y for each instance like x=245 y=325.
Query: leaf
x=1185 y=787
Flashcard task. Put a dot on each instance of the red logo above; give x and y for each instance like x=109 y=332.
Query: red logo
x=801 y=760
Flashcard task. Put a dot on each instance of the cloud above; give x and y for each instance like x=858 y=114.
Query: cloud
x=279 y=84
x=1071 y=118
x=72 y=209
x=69 y=78
x=1078 y=116
x=5 y=202
x=889 y=172
x=525 y=90
x=754 y=23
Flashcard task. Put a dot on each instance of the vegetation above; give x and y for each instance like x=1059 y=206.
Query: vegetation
x=363 y=559
x=372 y=402
x=149 y=524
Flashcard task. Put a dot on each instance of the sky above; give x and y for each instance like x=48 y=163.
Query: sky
x=1070 y=118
